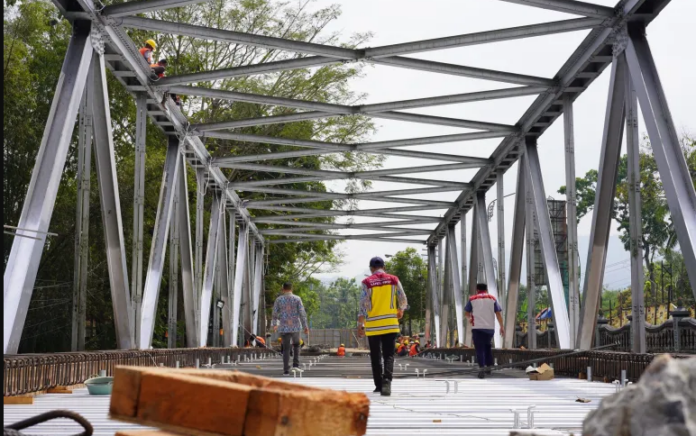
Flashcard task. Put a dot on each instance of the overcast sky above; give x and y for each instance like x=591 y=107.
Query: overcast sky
x=671 y=35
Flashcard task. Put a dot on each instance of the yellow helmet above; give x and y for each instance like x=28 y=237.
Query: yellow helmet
x=342 y=345
x=280 y=339
x=151 y=43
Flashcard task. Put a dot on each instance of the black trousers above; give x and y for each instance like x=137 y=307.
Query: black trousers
x=482 y=339
x=382 y=346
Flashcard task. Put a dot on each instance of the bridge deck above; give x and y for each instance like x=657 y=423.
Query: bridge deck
x=417 y=406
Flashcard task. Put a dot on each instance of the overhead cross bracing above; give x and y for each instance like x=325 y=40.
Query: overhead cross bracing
x=615 y=37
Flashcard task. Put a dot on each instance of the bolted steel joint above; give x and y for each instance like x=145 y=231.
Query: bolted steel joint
x=620 y=37
x=97 y=37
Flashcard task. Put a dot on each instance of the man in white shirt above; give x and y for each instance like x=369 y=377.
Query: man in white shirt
x=482 y=310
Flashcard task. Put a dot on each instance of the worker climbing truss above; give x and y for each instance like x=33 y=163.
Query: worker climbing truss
x=616 y=38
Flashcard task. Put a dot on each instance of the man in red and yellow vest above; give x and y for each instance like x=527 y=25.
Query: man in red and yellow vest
x=382 y=304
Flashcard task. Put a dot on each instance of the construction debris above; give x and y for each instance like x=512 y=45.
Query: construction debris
x=232 y=403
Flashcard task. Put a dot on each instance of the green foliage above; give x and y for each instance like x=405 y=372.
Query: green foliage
x=412 y=271
x=338 y=304
x=658 y=231
x=35 y=42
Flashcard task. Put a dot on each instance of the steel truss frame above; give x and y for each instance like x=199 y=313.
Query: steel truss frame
x=104 y=29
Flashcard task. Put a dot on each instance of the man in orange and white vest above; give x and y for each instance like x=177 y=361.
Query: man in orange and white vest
x=382 y=304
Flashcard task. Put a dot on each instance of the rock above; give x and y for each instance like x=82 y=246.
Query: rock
x=662 y=403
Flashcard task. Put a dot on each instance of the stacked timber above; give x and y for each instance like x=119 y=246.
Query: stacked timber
x=231 y=403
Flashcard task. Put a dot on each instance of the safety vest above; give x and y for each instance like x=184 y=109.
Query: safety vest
x=414 y=350
x=341 y=351
x=381 y=319
x=146 y=53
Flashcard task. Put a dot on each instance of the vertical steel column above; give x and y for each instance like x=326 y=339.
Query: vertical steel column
x=571 y=214
x=23 y=262
x=456 y=285
x=516 y=250
x=501 y=238
x=487 y=255
x=240 y=267
x=674 y=172
x=547 y=244
x=187 y=270
x=173 y=299
x=473 y=269
x=138 y=210
x=258 y=287
x=84 y=169
x=432 y=284
x=217 y=280
x=604 y=200
x=224 y=283
x=446 y=294
x=198 y=253
x=229 y=331
x=249 y=289
x=105 y=160
x=465 y=270
x=158 y=248
x=639 y=344
x=531 y=263
x=209 y=271
x=440 y=283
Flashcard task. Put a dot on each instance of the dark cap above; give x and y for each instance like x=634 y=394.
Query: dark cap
x=481 y=287
x=376 y=262
x=162 y=61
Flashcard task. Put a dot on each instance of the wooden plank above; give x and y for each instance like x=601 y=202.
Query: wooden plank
x=18 y=400
x=59 y=390
x=229 y=403
x=146 y=433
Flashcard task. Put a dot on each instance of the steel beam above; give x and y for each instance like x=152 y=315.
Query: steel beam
x=201 y=185
x=222 y=315
x=231 y=265
x=465 y=271
x=547 y=244
x=385 y=147
x=247 y=70
x=456 y=285
x=240 y=267
x=501 y=237
x=158 y=249
x=571 y=214
x=320 y=227
x=674 y=172
x=487 y=254
x=260 y=121
x=516 y=250
x=569 y=6
x=531 y=234
x=486 y=37
x=238 y=37
x=638 y=344
x=345 y=238
x=258 y=287
x=462 y=71
x=188 y=280
x=37 y=209
x=432 y=286
x=143 y=6
x=209 y=272
x=84 y=169
x=604 y=200
x=443 y=121
x=105 y=159
x=138 y=211
x=446 y=293
x=473 y=267
x=173 y=300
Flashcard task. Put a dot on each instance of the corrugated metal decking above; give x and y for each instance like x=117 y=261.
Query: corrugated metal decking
x=416 y=407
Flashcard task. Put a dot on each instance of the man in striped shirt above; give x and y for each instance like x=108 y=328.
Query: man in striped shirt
x=482 y=310
x=382 y=304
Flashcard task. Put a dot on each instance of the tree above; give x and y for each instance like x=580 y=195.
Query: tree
x=412 y=271
x=338 y=305
x=35 y=42
x=658 y=230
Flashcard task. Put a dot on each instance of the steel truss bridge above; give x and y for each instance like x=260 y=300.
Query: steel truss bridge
x=99 y=41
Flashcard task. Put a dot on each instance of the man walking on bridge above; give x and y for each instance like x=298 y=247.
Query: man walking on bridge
x=382 y=304
x=482 y=310
x=289 y=319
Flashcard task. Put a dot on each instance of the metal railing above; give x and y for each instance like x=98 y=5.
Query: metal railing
x=606 y=365
x=28 y=373
x=659 y=338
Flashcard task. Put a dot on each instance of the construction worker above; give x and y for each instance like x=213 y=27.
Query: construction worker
x=289 y=319
x=260 y=342
x=158 y=72
x=341 y=351
x=146 y=52
x=382 y=304
x=482 y=310
x=415 y=349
